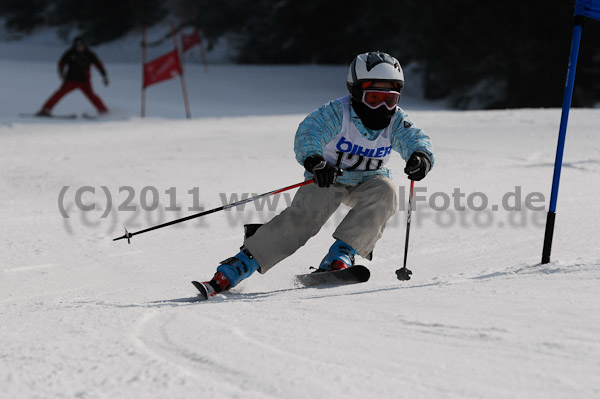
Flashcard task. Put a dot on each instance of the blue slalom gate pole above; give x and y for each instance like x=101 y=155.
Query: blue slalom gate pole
x=562 y=133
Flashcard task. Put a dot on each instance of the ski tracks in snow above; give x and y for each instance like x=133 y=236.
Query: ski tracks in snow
x=164 y=336
x=230 y=350
x=29 y=268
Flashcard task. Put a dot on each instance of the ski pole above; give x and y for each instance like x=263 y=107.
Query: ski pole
x=128 y=235
x=403 y=273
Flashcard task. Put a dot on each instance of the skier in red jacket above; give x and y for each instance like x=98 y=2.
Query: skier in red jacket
x=74 y=70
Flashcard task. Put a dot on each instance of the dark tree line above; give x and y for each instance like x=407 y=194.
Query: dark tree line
x=98 y=21
x=478 y=54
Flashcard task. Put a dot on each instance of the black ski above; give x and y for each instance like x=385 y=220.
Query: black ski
x=351 y=275
x=66 y=116
x=201 y=288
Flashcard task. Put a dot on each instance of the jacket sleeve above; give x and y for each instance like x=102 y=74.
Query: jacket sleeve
x=62 y=63
x=98 y=64
x=406 y=138
x=318 y=129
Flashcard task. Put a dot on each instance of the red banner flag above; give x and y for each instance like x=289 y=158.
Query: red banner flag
x=190 y=40
x=162 y=68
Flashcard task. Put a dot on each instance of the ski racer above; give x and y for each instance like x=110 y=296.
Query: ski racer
x=354 y=134
x=74 y=70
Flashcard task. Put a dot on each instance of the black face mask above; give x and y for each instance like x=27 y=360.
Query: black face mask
x=374 y=119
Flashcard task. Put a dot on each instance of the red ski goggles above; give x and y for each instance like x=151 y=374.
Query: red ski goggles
x=376 y=98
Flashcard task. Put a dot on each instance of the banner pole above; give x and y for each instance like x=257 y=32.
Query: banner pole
x=181 y=78
x=144 y=71
x=566 y=106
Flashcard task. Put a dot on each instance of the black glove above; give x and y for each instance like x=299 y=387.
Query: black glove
x=418 y=166
x=324 y=173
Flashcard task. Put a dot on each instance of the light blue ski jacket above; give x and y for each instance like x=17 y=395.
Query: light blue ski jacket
x=323 y=124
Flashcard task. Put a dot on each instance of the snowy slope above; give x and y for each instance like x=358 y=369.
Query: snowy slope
x=83 y=316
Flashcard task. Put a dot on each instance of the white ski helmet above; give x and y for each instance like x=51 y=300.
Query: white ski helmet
x=373 y=66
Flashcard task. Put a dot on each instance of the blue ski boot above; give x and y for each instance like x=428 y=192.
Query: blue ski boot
x=231 y=272
x=340 y=256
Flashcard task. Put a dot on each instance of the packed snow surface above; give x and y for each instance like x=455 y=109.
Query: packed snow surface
x=83 y=316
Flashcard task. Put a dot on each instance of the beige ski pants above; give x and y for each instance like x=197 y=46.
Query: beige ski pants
x=373 y=202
